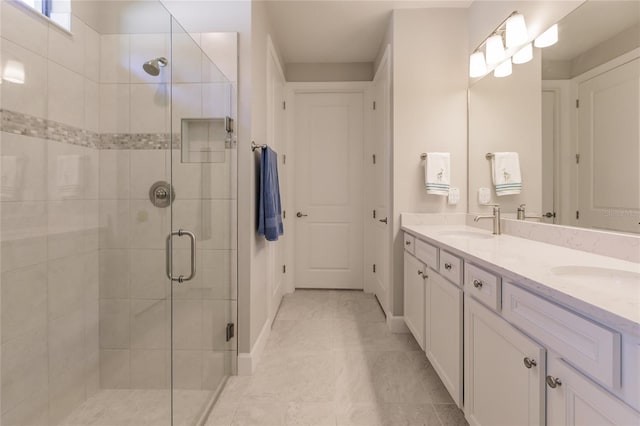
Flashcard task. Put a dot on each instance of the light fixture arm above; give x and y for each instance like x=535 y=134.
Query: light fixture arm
x=499 y=30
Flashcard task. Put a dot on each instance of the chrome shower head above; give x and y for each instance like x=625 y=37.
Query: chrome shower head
x=153 y=66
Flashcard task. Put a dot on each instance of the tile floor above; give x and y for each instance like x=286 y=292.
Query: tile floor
x=330 y=360
x=139 y=407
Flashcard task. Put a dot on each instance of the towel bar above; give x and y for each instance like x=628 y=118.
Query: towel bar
x=489 y=155
x=255 y=146
x=423 y=156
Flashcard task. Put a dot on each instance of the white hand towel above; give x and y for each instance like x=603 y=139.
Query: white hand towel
x=437 y=172
x=505 y=168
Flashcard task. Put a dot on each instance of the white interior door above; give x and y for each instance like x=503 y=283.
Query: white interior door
x=609 y=147
x=329 y=153
x=379 y=185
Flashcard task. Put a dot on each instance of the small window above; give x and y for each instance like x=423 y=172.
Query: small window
x=59 y=11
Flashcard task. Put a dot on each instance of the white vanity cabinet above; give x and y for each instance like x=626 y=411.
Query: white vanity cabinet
x=414 y=291
x=443 y=326
x=504 y=371
x=574 y=400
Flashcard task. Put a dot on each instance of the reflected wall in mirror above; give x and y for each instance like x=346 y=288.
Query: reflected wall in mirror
x=572 y=115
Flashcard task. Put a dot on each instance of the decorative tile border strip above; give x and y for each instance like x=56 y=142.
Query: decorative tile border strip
x=36 y=127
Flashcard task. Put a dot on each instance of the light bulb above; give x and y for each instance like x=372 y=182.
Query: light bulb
x=548 y=38
x=516 y=31
x=503 y=70
x=495 y=49
x=523 y=55
x=477 y=65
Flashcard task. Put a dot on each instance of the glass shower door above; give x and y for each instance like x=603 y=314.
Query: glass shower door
x=202 y=246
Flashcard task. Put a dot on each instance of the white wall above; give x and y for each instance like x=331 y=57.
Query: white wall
x=348 y=71
x=429 y=113
x=505 y=115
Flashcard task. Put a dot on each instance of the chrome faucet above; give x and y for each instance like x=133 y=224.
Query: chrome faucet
x=495 y=217
x=522 y=214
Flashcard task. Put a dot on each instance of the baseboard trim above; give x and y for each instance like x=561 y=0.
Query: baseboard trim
x=397 y=324
x=247 y=362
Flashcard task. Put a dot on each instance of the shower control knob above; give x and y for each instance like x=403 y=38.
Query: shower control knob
x=161 y=194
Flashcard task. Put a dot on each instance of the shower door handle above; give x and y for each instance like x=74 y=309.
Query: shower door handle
x=192 y=239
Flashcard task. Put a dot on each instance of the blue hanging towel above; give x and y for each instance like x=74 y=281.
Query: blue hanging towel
x=270 y=212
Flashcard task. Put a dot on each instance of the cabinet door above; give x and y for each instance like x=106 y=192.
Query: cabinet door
x=414 y=273
x=499 y=388
x=575 y=400
x=445 y=331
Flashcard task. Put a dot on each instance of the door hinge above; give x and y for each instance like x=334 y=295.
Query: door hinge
x=374 y=214
x=230 y=331
x=374 y=105
x=577 y=158
x=577 y=103
x=374 y=268
x=284 y=158
x=284 y=105
x=284 y=269
x=374 y=158
x=577 y=214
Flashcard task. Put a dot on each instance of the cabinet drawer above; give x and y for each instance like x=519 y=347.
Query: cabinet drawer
x=427 y=253
x=451 y=267
x=587 y=345
x=482 y=285
x=409 y=242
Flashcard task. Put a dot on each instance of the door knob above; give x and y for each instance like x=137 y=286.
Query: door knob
x=553 y=382
x=383 y=220
x=529 y=362
x=300 y=214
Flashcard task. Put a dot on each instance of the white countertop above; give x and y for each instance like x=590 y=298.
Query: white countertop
x=529 y=263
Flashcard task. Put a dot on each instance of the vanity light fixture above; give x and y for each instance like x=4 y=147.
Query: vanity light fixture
x=547 y=38
x=516 y=32
x=504 y=69
x=495 y=49
x=523 y=55
x=477 y=65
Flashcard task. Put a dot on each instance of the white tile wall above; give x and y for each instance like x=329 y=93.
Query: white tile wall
x=91 y=54
x=30 y=97
x=23 y=28
x=114 y=58
x=68 y=50
x=149 y=108
x=65 y=96
x=114 y=108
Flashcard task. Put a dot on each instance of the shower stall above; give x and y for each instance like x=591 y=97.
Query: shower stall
x=118 y=216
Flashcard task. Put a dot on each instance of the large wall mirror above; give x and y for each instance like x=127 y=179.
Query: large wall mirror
x=572 y=114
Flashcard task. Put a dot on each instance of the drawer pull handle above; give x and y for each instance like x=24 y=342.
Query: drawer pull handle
x=447 y=266
x=528 y=362
x=421 y=273
x=477 y=284
x=408 y=243
x=553 y=382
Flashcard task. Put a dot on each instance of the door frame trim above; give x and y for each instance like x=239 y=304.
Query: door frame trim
x=294 y=88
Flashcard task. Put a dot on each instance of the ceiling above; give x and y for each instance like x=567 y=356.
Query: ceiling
x=311 y=31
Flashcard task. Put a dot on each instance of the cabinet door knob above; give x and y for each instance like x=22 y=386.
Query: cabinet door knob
x=553 y=382
x=420 y=273
x=407 y=243
x=477 y=284
x=447 y=266
x=528 y=362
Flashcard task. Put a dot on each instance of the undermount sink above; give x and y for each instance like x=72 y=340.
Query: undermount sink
x=593 y=274
x=465 y=234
